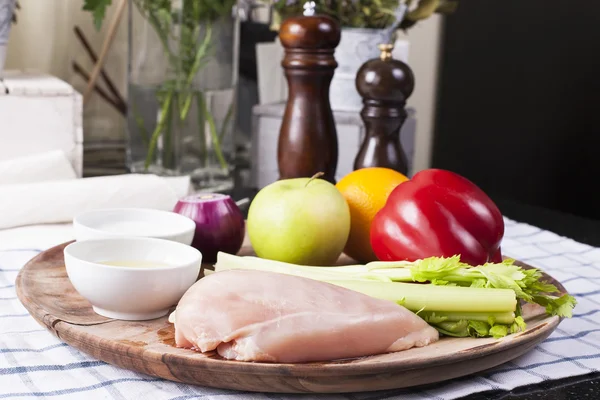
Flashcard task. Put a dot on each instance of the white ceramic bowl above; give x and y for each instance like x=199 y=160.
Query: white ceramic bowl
x=134 y=222
x=132 y=293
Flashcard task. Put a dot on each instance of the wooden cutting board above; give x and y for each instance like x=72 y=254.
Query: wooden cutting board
x=148 y=346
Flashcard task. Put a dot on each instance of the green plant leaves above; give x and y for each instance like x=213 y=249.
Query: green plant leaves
x=98 y=10
x=374 y=14
x=426 y=8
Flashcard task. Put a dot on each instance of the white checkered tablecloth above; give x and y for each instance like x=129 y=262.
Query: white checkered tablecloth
x=34 y=363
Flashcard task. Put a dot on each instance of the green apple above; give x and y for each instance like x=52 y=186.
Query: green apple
x=303 y=221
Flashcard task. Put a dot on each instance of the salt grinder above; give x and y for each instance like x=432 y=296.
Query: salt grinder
x=308 y=139
x=384 y=84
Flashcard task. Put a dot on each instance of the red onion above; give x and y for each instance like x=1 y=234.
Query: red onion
x=220 y=224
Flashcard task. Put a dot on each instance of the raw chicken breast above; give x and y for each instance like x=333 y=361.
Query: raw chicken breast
x=270 y=317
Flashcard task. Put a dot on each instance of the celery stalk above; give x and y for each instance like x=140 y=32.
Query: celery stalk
x=435 y=298
x=440 y=271
x=457 y=299
x=414 y=297
x=227 y=261
x=223 y=258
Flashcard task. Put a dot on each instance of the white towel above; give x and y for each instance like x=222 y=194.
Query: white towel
x=47 y=166
x=59 y=201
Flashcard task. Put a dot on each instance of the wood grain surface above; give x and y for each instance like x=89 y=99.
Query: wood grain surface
x=148 y=346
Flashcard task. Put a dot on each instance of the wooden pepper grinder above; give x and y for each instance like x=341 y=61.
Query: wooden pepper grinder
x=385 y=84
x=308 y=138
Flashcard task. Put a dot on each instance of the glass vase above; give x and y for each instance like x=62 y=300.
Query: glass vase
x=182 y=77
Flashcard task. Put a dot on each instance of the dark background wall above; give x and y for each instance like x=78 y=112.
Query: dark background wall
x=519 y=101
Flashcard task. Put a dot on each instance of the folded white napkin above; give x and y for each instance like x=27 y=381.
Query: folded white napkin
x=59 y=201
x=181 y=185
x=52 y=165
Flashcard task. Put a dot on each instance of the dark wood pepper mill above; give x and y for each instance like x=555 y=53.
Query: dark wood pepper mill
x=308 y=138
x=385 y=84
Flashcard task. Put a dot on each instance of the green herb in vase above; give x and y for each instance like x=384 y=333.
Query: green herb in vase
x=181 y=89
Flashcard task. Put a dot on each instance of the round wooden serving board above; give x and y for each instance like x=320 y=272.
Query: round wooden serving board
x=148 y=346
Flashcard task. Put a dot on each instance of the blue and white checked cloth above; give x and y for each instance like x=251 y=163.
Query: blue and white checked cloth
x=34 y=363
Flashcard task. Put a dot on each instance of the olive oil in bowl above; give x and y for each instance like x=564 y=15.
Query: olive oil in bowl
x=132 y=278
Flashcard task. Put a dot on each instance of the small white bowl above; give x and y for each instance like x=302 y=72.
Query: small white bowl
x=134 y=222
x=132 y=293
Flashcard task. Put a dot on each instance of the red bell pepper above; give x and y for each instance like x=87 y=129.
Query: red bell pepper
x=438 y=213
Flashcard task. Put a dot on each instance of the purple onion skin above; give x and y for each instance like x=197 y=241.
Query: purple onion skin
x=220 y=224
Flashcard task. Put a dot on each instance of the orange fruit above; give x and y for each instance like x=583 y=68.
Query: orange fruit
x=366 y=190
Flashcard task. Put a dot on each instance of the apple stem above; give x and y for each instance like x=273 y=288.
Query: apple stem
x=315 y=176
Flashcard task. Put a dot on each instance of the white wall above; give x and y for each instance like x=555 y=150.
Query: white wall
x=43 y=40
x=424 y=60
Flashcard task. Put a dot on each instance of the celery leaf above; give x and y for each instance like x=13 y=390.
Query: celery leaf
x=478 y=329
x=475 y=329
x=560 y=306
x=502 y=276
x=433 y=318
x=498 y=331
x=526 y=283
x=518 y=326
x=452 y=328
x=433 y=268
